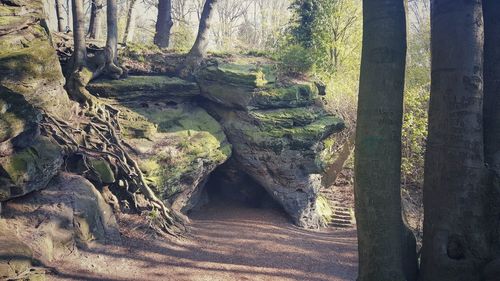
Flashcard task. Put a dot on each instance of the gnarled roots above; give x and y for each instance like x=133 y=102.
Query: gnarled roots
x=96 y=136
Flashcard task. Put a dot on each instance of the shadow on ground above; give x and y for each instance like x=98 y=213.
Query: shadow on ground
x=225 y=243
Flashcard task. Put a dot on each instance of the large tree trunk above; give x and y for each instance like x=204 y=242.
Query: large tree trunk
x=491 y=10
x=163 y=24
x=96 y=15
x=130 y=23
x=381 y=234
x=59 y=15
x=457 y=218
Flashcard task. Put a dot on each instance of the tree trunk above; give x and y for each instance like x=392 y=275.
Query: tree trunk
x=130 y=23
x=163 y=24
x=96 y=14
x=80 y=48
x=79 y=75
x=111 y=50
x=199 y=49
x=378 y=143
x=59 y=15
x=491 y=10
x=457 y=220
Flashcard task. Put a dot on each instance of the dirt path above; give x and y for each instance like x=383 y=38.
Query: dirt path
x=226 y=243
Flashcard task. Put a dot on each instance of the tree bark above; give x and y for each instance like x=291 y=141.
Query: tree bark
x=491 y=13
x=111 y=67
x=199 y=49
x=164 y=24
x=130 y=23
x=80 y=48
x=59 y=15
x=96 y=14
x=79 y=75
x=378 y=143
x=457 y=221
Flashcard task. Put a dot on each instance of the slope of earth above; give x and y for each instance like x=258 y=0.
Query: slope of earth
x=226 y=243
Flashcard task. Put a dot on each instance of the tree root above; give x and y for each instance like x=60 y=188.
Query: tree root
x=96 y=136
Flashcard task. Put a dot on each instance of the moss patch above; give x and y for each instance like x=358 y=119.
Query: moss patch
x=324 y=210
x=26 y=164
x=186 y=140
x=144 y=87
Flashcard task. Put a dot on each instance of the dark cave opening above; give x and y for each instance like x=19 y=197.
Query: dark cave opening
x=230 y=186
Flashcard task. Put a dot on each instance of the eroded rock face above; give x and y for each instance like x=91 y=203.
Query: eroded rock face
x=177 y=143
x=278 y=133
x=46 y=226
x=31 y=81
x=70 y=211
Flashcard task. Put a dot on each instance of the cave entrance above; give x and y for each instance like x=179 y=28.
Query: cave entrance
x=228 y=186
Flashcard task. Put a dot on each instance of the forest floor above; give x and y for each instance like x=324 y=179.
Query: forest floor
x=226 y=242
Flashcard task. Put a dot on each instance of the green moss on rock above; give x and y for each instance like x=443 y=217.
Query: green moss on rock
x=246 y=86
x=31 y=168
x=186 y=145
x=144 y=87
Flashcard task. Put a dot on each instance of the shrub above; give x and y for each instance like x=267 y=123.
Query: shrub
x=295 y=60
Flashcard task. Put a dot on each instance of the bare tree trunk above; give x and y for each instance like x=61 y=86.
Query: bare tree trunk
x=163 y=24
x=80 y=75
x=199 y=49
x=80 y=48
x=457 y=220
x=382 y=239
x=111 y=50
x=130 y=23
x=96 y=15
x=59 y=15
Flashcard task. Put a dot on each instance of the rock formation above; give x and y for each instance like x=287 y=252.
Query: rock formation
x=31 y=82
x=278 y=131
x=178 y=143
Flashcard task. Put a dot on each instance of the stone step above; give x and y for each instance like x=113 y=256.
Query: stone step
x=342 y=217
x=340 y=224
x=340 y=220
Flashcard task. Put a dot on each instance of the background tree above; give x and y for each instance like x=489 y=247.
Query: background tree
x=59 y=15
x=164 y=23
x=382 y=242
x=96 y=14
x=130 y=22
x=110 y=66
x=199 y=49
x=229 y=15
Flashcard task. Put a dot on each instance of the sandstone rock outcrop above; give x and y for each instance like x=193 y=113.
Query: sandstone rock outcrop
x=31 y=82
x=178 y=144
x=51 y=222
x=278 y=132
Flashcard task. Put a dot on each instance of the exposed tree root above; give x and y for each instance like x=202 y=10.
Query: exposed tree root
x=95 y=136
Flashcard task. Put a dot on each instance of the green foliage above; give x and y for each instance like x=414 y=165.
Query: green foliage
x=295 y=60
x=416 y=100
x=303 y=29
x=330 y=30
x=182 y=37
